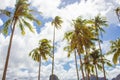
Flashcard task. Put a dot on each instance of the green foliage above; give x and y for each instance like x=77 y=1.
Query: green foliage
x=28 y=25
x=43 y=50
x=57 y=22
x=115 y=49
x=5 y=12
x=21 y=15
x=6 y=26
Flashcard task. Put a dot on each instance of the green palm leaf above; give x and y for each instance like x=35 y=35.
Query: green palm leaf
x=6 y=12
x=6 y=26
x=28 y=25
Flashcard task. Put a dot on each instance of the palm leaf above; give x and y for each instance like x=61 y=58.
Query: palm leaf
x=115 y=57
x=32 y=18
x=109 y=64
x=28 y=25
x=21 y=27
x=6 y=26
x=99 y=67
x=6 y=12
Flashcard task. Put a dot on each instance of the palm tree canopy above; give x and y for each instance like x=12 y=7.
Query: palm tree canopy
x=57 y=22
x=80 y=37
x=21 y=14
x=115 y=49
x=43 y=50
x=84 y=34
x=97 y=24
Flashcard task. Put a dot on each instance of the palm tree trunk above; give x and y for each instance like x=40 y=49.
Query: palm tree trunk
x=39 y=68
x=88 y=75
x=76 y=65
x=101 y=58
x=53 y=51
x=87 y=59
x=96 y=72
x=81 y=67
x=8 y=53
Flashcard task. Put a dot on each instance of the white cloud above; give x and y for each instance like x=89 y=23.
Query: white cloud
x=5 y=3
x=1 y=22
x=21 y=66
x=48 y=8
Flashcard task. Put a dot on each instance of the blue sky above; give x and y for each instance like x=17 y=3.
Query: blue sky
x=22 y=67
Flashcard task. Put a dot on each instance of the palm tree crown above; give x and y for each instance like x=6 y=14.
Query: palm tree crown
x=115 y=48
x=43 y=50
x=21 y=14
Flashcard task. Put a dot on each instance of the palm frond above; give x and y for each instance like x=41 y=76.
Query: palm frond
x=5 y=12
x=6 y=26
x=28 y=25
x=21 y=27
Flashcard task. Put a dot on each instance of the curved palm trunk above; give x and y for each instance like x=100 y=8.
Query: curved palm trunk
x=76 y=65
x=8 y=53
x=53 y=51
x=81 y=67
x=39 y=68
x=96 y=72
x=101 y=58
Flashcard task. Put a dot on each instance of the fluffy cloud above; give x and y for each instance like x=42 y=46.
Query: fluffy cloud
x=22 y=67
x=7 y=3
x=1 y=22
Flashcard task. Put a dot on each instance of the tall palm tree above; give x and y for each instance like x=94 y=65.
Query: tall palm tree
x=43 y=50
x=95 y=58
x=57 y=24
x=98 y=22
x=71 y=48
x=21 y=14
x=87 y=66
x=115 y=48
x=84 y=37
x=80 y=38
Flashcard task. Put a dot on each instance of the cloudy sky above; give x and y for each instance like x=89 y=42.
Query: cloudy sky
x=22 y=67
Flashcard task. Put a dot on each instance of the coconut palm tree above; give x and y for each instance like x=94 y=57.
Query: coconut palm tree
x=96 y=60
x=21 y=14
x=87 y=66
x=42 y=51
x=57 y=24
x=97 y=23
x=71 y=48
x=80 y=38
x=84 y=37
x=115 y=48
